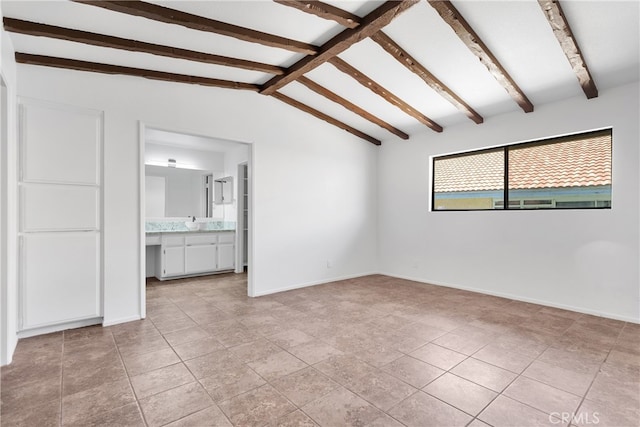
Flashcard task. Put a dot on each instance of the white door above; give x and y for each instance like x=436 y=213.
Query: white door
x=59 y=206
x=173 y=261
x=226 y=256
x=200 y=258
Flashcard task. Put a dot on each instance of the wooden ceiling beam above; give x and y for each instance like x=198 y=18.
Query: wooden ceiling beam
x=384 y=93
x=470 y=38
x=74 y=64
x=350 y=106
x=43 y=30
x=561 y=29
x=200 y=23
x=320 y=115
x=323 y=10
x=414 y=66
x=370 y=24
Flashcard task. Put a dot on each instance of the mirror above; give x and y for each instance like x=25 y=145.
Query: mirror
x=174 y=192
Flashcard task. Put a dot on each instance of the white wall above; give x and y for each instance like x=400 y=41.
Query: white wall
x=314 y=185
x=585 y=260
x=8 y=213
x=198 y=159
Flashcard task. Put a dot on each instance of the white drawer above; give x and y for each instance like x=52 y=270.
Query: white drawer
x=172 y=240
x=152 y=239
x=202 y=239
x=227 y=237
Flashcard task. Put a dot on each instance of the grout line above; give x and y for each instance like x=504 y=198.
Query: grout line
x=61 y=377
x=584 y=397
x=133 y=391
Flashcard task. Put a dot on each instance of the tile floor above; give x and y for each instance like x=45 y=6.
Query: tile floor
x=373 y=351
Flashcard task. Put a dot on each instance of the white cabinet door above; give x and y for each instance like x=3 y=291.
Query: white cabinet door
x=173 y=261
x=53 y=291
x=226 y=256
x=59 y=209
x=200 y=258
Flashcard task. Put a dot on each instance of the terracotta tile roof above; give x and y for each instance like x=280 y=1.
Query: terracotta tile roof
x=573 y=163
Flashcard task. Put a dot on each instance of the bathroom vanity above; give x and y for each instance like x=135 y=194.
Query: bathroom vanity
x=173 y=254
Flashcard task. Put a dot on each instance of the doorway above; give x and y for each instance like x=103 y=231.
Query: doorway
x=202 y=162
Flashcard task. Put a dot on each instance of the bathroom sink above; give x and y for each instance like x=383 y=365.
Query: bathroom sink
x=192 y=226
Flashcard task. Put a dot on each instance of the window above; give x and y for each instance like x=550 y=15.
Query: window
x=569 y=172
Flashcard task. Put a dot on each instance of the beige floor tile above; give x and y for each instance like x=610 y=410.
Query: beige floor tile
x=294 y=419
x=460 y=393
x=564 y=379
x=91 y=403
x=169 y=325
x=378 y=355
x=140 y=363
x=422 y=410
x=277 y=365
x=505 y=412
x=541 y=396
x=342 y=408
x=371 y=341
x=305 y=385
x=197 y=348
x=477 y=423
x=229 y=384
x=33 y=367
x=142 y=345
x=159 y=380
x=460 y=343
x=290 y=338
x=45 y=415
x=257 y=407
x=483 y=374
x=314 y=351
x=174 y=404
x=597 y=414
x=616 y=385
x=13 y=399
x=185 y=335
x=219 y=364
x=128 y=415
x=255 y=350
x=381 y=389
x=579 y=360
x=210 y=417
x=511 y=361
x=413 y=371
x=438 y=356
x=344 y=368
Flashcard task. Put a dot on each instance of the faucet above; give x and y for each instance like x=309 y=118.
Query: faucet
x=193 y=219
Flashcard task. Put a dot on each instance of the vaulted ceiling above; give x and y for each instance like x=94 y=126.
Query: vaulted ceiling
x=379 y=70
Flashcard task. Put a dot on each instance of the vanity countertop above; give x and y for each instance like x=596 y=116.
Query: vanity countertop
x=152 y=227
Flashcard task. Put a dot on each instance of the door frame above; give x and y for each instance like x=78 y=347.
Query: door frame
x=240 y=225
x=4 y=228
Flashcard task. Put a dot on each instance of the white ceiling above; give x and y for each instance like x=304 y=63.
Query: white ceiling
x=516 y=32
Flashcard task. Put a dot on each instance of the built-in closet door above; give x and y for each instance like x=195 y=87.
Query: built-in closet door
x=60 y=220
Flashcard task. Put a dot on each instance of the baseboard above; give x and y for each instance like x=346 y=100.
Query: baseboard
x=121 y=320
x=59 y=327
x=314 y=283
x=518 y=298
